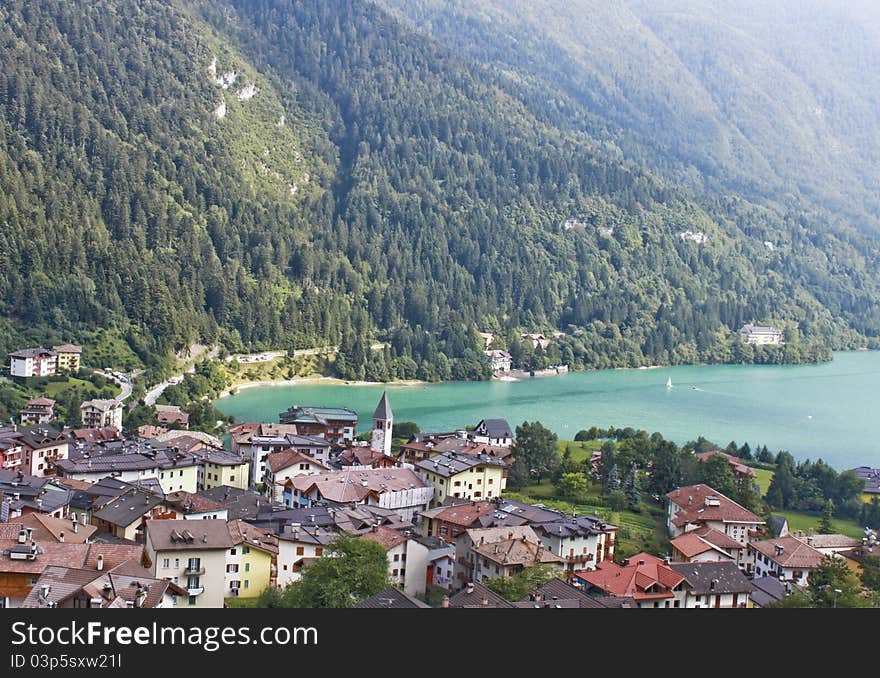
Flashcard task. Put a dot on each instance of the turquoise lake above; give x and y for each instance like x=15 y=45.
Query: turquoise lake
x=829 y=410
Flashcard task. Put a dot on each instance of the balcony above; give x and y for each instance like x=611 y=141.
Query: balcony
x=582 y=558
x=194 y=571
x=196 y=591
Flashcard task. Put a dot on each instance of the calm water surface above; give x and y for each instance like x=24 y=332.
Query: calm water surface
x=829 y=410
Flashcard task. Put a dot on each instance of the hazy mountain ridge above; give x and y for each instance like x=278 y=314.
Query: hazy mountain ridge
x=761 y=98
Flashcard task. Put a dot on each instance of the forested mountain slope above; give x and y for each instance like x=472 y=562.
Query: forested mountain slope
x=770 y=99
x=271 y=173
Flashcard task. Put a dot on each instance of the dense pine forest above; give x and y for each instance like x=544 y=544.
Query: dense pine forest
x=279 y=174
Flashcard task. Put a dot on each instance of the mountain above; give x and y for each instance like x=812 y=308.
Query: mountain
x=768 y=100
x=271 y=173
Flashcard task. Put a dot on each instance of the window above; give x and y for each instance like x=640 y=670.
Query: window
x=192 y=582
x=394 y=572
x=247 y=567
x=192 y=600
x=246 y=582
x=194 y=564
x=232 y=568
x=232 y=478
x=300 y=550
x=181 y=474
x=319 y=551
x=176 y=562
x=479 y=481
x=457 y=483
x=676 y=603
x=166 y=563
x=246 y=549
x=235 y=584
x=396 y=557
x=231 y=552
x=489 y=482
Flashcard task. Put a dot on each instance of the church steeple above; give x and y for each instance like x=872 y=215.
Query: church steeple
x=383 y=421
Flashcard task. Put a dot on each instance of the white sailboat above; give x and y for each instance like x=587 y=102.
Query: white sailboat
x=669 y=383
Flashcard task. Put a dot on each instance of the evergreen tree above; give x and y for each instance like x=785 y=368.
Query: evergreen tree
x=826 y=526
x=632 y=488
x=612 y=480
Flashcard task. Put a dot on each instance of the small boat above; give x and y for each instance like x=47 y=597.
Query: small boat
x=669 y=383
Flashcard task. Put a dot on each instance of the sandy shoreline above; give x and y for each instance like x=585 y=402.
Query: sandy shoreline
x=313 y=381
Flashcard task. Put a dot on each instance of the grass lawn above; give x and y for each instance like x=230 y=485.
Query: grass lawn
x=543 y=491
x=580 y=451
x=764 y=476
x=808 y=521
x=55 y=388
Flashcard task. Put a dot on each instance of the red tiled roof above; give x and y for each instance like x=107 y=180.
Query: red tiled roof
x=517 y=552
x=281 y=460
x=735 y=464
x=356 y=484
x=245 y=533
x=795 y=554
x=465 y=514
x=384 y=536
x=693 y=508
x=717 y=538
x=632 y=580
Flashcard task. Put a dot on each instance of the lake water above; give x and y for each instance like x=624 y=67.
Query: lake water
x=828 y=410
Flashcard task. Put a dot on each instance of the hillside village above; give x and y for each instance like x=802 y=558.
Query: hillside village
x=172 y=518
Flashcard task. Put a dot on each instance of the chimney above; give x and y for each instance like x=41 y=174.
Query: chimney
x=100 y=565
x=30 y=533
x=690 y=499
x=61 y=537
x=778 y=549
x=470 y=587
x=205 y=538
x=44 y=589
x=22 y=536
x=445 y=602
x=485 y=600
x=140 y=596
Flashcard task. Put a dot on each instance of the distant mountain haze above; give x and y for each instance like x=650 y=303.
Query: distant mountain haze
x=765 y=98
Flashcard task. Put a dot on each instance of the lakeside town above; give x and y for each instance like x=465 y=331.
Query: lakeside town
x=485 y=516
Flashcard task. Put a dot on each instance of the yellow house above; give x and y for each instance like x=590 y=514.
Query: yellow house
x=855 y=557
x=463 y=476
x=871 y=476
x=219 y=467
x=182 y=476
x=68 y=357
x=251 y=562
